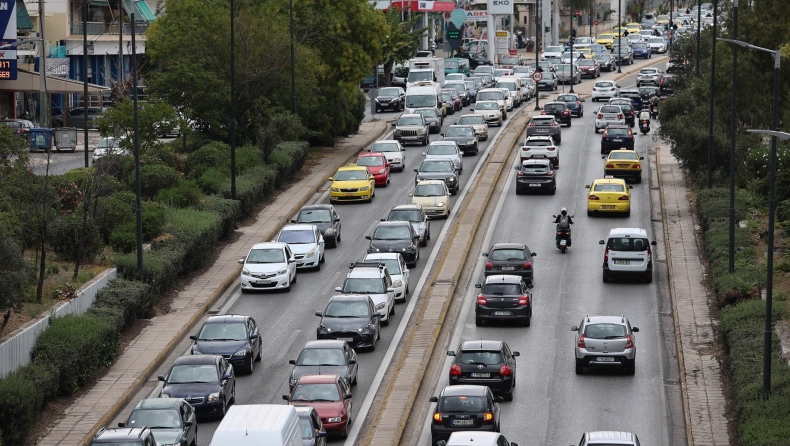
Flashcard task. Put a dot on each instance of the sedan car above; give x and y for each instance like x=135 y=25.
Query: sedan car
x=457 y=100
x=624 y=164
x=325 y=217
x=378 y=165
x=233 y=336
x=604 y=90
x=268 y=266
x=605 y=341
x=642 y=50
x=510 y=61
x=435 y=122
x=448 y=150
x=350 y=318
x=207 y=382
x=574 y=103
x=171 y=420
x=510 y=258
x=616 y=137
x=498 y=370
x=325 y=357
x=414 y=214
x=504 y=298
x=433 y=196
x=109 y=146
x=559 y=110
x=545 y=126
x=478 y=123
x=536 y=175
x=490 y=111
x=605 y=39
x=608 y=195
x=396 y=266
x=464 y=408
x=306 y=243
x=438 y=169
x=330 y=396
x=548 y=82
x=606 y=61
x=589 y=68
x=392 y=150
x=609 y=114
x=540 y=147
x=390 y=98
x=311 y=426
x=396 y=236
x=552 y=51
x=352 y=183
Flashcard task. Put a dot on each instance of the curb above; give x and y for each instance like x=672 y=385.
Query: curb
x=138 y=383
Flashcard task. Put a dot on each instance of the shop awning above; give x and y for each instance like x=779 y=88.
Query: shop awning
x=22 y=17
x=141 y=10
x=418 y=6
x=105 y=3
x=28 y=81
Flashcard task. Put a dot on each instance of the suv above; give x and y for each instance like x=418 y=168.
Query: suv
x=371 y=279
x=648 y=76
x=411 y=128
x=544 y=126
x=133 y=436
x=76 y=118
x=628 y=253
x=605 y=341
x=560 y=111
x=498 y=366
x=538 y=147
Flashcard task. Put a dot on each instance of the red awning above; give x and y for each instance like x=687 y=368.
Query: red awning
x=418 y=6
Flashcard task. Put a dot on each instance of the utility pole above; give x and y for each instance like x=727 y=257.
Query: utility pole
x=712 y=91
x=120 y=42
x=137 y=159
x=43 y=101
x=731 y=247
x=85 y=103
x=232 y=101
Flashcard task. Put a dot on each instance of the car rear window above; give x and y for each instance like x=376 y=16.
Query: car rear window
x=617 y=132
x=542 y=121
x=609 y=188
x=538 y=143
x=535 y=167
x=504 y=289
x=507 y=254
x=604 y=84
x=611 y=110
x=623 y=155
x=628 y=244
x=463 y=404
x=554 y=107
x=604 y=331
x=478 y=357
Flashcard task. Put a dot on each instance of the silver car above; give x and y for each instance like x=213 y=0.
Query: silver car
x=567 y=76
x=605 y=341
x=393 y=151
x=478 y=122
x=648 y=76
x=446 y=149
x=608 y=114
x=607 y=438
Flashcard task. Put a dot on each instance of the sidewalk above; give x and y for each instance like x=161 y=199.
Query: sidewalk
x=703 y=392
x=143 y=355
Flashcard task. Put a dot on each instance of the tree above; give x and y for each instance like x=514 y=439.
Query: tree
x=14 y=273
x=401 y=41
x=155 y=117
x=281 y=127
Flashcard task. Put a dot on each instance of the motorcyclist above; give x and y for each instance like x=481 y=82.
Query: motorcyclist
x=644 y=115
x=654 y=103
x=564 y=222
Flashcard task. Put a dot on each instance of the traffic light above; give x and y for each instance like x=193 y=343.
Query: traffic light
x=547 y=29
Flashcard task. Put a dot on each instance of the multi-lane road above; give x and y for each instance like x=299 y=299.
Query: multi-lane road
x=551 y=404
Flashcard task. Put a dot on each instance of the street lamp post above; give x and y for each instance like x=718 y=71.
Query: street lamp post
x=573 y=61
x=731 y=264
x=699 y=31
x=85 y=77
x=537 y=57
x=293 y=61
x=232 y=101
x=712 y=86
x=620 y=32
x=137 y=187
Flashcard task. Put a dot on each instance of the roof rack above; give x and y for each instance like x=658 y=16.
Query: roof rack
x=368 y=264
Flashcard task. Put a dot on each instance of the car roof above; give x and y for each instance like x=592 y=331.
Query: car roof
x=318 y=379
x=535 y=162
x=503 y=278
x=157 y=403
x=195 y=359
x=540 y=138
x=619 y=126
x=507 y=246
x=324 y=343
x=611 y=436
x=481 y=345
x=460 y=126
x=382 y=255
x=376 y=154
x=224 y=318
x=354 y=166
x=409 y=115
x=407 y=207
x=602 y=319
x=464 y=390
x=623 y=151
x=393 y=223
x=319 y=206
x=349 y=297
x=298 y=227
x=470 y=115
x=264 y=245
x=609 y=181
x=427 y=182
x=369 y=271
x=627 y=232
x=122 y=433
x=304 y=411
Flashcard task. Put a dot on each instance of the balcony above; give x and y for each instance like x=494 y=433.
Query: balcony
x=101 y=28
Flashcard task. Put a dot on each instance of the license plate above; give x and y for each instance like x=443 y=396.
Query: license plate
x=348 y=194
x=563 y=242
x=618 y=140
x=508 y=268
x=534 y=185
x=543 y=130
x=622 y=165
x=345 y=339
x=608 y=207
x=481 y=375
x=605 y=359
x=538 y=156
x=622 y=262
x=264 y=282
x=463 y=422
x=502 y=313
x=608 y=118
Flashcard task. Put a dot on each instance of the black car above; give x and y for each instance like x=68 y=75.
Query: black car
x=128 y=436
x=545 y=126
x=634 y=96
x=414 y=214
x=435 y=122
x=325 y=357
x=390 y=98
x=311 y=426
x=629 y=111
x=510 y=258
x=607 y=61
x=207 y=382
x=666 y=85
x=464 y=136
x=474 y=59
x=350 y=318
x=574 y=103
x=549 y=81
x=504 y=297
x=615 y=137
x=325 y=217
x=172 y=420
x=647 y=92
x=559 y=110
x=485 y=363
x=76 y=118
x=536 y=175
x=464 y=408
x=439 y=169
x=623 y=54
x=396 y=236
x=235 y=337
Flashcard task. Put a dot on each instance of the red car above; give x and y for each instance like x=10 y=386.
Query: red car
x=590 y=68
x=456 y=98
x=331 y=398
x=378 y=166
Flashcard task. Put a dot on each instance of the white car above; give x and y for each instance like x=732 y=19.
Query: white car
x=502 y=72
x=109 y=146
x=368 y=278
x=648 y=76
x=454 y=77
x=627 y=253
x=446 y=149
x=478 y=123
x=657 y=44
x=484 y=69
x=508 y=99
x=608 y=114
x=433 y=196
x=490 y=111
x=495 y=94
x=540 y=147
x=399 y=273
x=393 y=151
x=552 y=51
x=306 y=243
x=605 y=90
x=268 y=266
x=583 y=41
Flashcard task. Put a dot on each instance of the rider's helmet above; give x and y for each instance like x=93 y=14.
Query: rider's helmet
x=564 y=211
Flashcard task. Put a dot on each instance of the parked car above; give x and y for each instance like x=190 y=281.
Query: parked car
x=76 y=118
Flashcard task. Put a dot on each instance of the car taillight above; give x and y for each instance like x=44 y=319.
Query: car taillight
x=600 y=116
x=543 y=112
x=488 y=417
x=552 y=148
x=455 y=370
x=629 y=342
x=619 y=116
x=613 y=89
x=649 y=255
x=630 y=113
x=481 y=300
x=606 y=255
x=489 y=265
x=554 y=124
x=593 y=197
x=610 y=166
x=437 y=417
x=526 y=149
x=520 y=173
x=523 y=300
x=623 y=198
x=578 y=103
x=636 y=166
x=566 y=112
x=580 y=345
x=505 y=370
x=527 y=265
x=531 y=125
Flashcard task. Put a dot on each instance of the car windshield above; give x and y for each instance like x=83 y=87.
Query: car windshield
x=616 y=132
x=442 y=149
x=463 y=404
x=609 y=188
x=393 y=266
x=488 y=105
x=538 y=143
x=107 y=143
x=460 y=131
x=268 y=255
x=469 y=84
x=509 y=60
x=155 y=418
x=450 y=64
x=351 y=175
x=193 y=373
x=567 y=98
x=534 y=167
x=362 y=285
x=416 y=101
x=306 y=427
x=429 y=190
x=301 y=236
x=487 y=77
x=547 y=76
x=655 y=40
x=500 y=73
x=628 y=244
x=428 y=113
x=389 y=92
x=436 y=166
x=507 y=254
x=604 y=331
x=321 y=356
x=347 y=309
x=454 y=77
x=392 y=233
x=542 y=121
x=413 y=120
x=604 y=85
x=417 y=76
x=412 y=215
x=647 y=91
x=612 y=109
x=640 y=45
x=480 y=358
x=316 y=392
x=623 y=156
x=447 y=97
x=315 y=216
x=232 y=331
x=586 y=63
x=509 y=85
x=370 y=161
x=508 y=289
x=554 y=49
x=605 y=36
x=490 y=96
x=522 y=70
x=469 y=120
x=457 y=86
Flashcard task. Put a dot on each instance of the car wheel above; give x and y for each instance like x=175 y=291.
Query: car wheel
x=605 y=278
x=554 y=190
x=579 y=368
x=630 y=369
x=392 y=310
x=639 y=179
x=649 y=278
x=596 y=130
x=569 y=123
x=424 y=241
x=317 y=267
x=589 y=213
x=293 y=280
x=508 y=396
x=479 y=321
x=251 y=367
x=258 y=358
x=224 y=409
x=385 y=323
x=628 y=213
x=519 y=192
x=232 y=399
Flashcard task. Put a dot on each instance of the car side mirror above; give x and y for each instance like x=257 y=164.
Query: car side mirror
x=291 y=260
x=434 y=399
x=293 y=220
x=653 y=243
x=331 y=178
x=586 y=186
x=635 y=329
x=423 y=154
x=161 y=377
x=241 y=261
x=574 y=328
x=394 y=124
x=320 y=434
x=450 y=353
x=377 y=314
x=485 y=254
x=121 y=424
x=292 y=361
x=441 y=443
x=583 y=100
x=319 y=314
x=641 y=157
x=367 y=237
x=478 y=285
x=534 y=254
x=416 y=170
x=352 y=361
x=188 y=423
x=603 y=157
x=193 y=337
x=226 y=376
x=630 y=187
x=337 y=220
x=286 y=397
x=515 y=167
x=254 y=336
x=347 y=396
x=339 y=289
x=529 y=285
x=499 y=399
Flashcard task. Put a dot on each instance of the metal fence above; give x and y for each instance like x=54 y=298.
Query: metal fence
x=15 y=351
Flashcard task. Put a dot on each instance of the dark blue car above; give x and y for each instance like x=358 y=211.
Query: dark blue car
x=641 y=49
x=206 y=382
x=574 y=103
x=234 y=337
x=634 y=96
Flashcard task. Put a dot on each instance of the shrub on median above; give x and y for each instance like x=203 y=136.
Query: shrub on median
x=20 y=403
x=122 y=302
x=255 y=186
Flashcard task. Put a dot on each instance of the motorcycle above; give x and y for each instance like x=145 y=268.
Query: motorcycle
x=653 y=112
x=563 y=238
x=644 y=126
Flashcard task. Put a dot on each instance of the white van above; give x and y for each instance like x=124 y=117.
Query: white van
x=422 y=95
x=259 y=424
x=473 y=438
x=628 y=254
x=513 y=84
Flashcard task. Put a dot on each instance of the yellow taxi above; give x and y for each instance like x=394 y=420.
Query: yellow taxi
x=605 y=39
x=618 y=31
x=623 y=164
x=609 y=195
x=352 y=183
x=633 y=27
x=662 y=20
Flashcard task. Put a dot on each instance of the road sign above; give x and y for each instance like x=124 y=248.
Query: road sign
x=537 y=76
x=595 y=23
x=513 y=52
x=458 y=17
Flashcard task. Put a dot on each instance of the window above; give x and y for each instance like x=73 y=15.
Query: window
x=321 y=357
x=351 y=175
x=443 y=149
x=507 y=254
x=481 y=358
x=306 y=427
x=463 y=404
x=370 y=161
x=604 y=331
x=193 y=373
x=273 y=255
x=628 y=244
x=429 y=190
x=316 y=215
x=509 y=289
x=609 y=188
x=231 y=331
x=347 y=309
x=297 y=236
x=436 y=166
x=316 y=392
x=392 y=233
x=155 y=418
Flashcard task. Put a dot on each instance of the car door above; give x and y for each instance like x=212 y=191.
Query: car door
x=252 y=330
x=335 y=221
x=289 y=257
x=227 y=384
x=350 y=356
x=492 y=404
x=404 y=271
x=321 y=244
x=188 y=416
x=509 y=359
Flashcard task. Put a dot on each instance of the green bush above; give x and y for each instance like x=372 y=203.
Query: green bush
x=246 y=158
x=77 y=176
x=212 y=155
x=161 y=268
x=123 y=237
x=288 y=158
x=714 y=205
x=20 y=402
x=212 y=179
x=258 y=184
x=197 y=232
x=68 y=233
x=227 y=210
x=78 y=346
x=112 y=211
x=130 y=299
x=153 y=178
x=186 y=194
x=153 y=220
x=45 y=376
x=160 y=154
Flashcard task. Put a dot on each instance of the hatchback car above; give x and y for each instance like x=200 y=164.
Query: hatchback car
x=305 y=242
x=540 y=147
x=628 y=109
x=20 y=127
x=330 y=396
x=326 y=218
x=606 y=61
x=616 y=137
x=445 y=150
x=624 y=164
x=605 y=341
x=352 y=183
x=377 y=164
x=648 y=76
x=609 y=114
x=433 y=196
x=589 y=68
x=233 y=336
x=574 y=103
x=544 y=126
x=439 y=169
x=490 y=111
x=504 y=298
x=392 y=150
x=171 y=420
x=485 y=363
x=510 y=258
x=109 y=146
x=311 y=426
x=414 y=214
x=372 y=280
x=350 y=318
x=559 y=110
x=549 y=81
x=608 y=438
x=325 y=357
x=608 y=195
x=458 y=103
x=478 y=123
x=604 y=90
x=628 y=253
x=390 y=98
x=641 y=49
x=536 y=175
x=396 y=236
x=268 y=266
x=207 y=382
x=464 y=408
x=398 y=271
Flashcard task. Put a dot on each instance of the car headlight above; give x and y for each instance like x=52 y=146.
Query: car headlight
x=241 y=353
x=282 y=271
x=368 y=327
x=364 y=188
x=334 y=189
x=382 y=171
x=245 y=271
x=397 y=284
x=451 y=180
x=395 y=100
x=311 y=253
x=396 y=160
x=164 y=395
x=380 y=306
x=440 y=204
x=323 y=327
x=397 y=131
x=213 y=397
x=421 y=131
x=334 y=419
x=292 y=382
